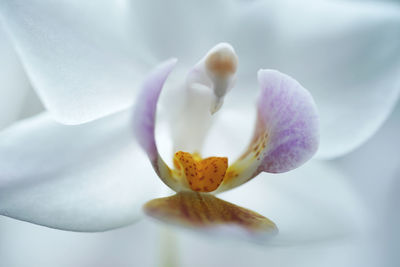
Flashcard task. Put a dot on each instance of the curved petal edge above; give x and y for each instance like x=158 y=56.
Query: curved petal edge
x=286 y=133
x=144 y=120
x=211 y=215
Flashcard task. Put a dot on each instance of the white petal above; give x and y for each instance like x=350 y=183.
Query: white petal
x=345 y=53
x=14 y=85
x=26 y=245
x=77 y=55
x=313 y=203
x=374 y=169
x=90 y=177
x=183 y=29
x=234 y=254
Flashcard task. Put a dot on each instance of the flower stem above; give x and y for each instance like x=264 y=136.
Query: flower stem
x=168 y=248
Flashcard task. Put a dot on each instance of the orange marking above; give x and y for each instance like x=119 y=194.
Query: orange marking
x=203 y=175
x=221 y=64
x=191 y=209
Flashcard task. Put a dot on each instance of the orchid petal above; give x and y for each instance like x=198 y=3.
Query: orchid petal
x=201 y=25
x=14 y=85
x=344 y=253
x=350 y=65
x=314 y=203
x=45 y=247
x=90 y=177
x=204 y=212
x=286 y=134
x=145 y=118
x=77 y=55
x=378 y=183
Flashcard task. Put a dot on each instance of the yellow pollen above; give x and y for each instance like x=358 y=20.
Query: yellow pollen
x=203 y=175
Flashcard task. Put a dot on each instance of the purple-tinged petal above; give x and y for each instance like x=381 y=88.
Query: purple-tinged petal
x=289 y=112
x=286 y=133
x=146 y=107
x=145 y=118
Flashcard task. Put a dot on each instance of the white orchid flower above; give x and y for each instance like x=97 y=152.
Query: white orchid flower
x=285 y=136
x=140 y=243
x=85 y=67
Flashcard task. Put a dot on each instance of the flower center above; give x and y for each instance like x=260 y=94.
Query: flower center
x=203 y=175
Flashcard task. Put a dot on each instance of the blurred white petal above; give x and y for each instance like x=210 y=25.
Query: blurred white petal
x=375 y=170
x=182 y=29
x=233 y=254
x=14 y=85
x=374 y=167
x=90 y=177
x=77 y=55
x=351 y=65
x=389 y=245
x=27 y=245
x=125 y=247
x=314 y=203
